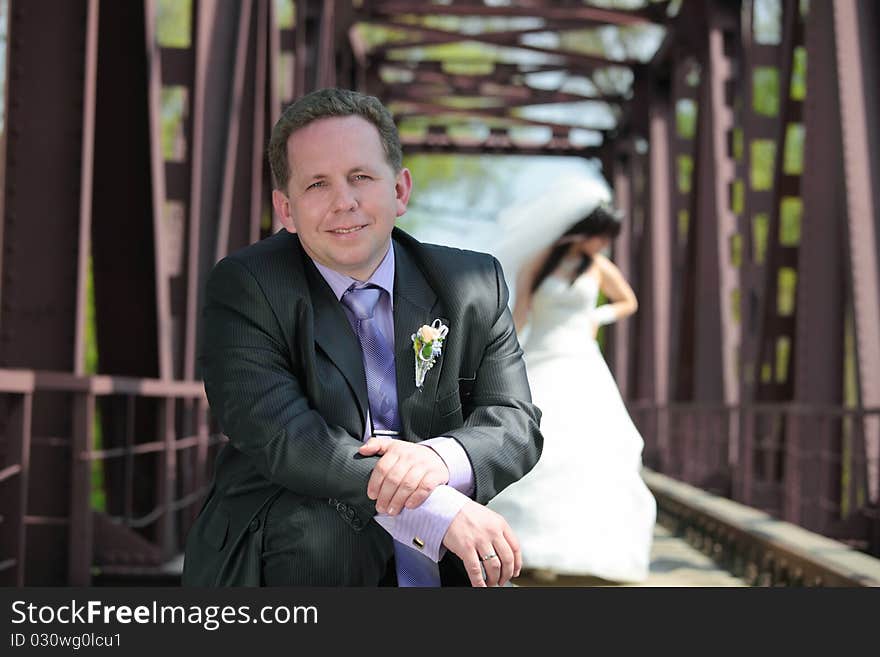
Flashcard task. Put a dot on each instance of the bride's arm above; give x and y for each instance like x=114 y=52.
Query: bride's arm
x=524 y=280
x=623 y=302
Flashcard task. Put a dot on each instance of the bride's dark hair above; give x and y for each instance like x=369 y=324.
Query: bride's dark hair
x=604 y=221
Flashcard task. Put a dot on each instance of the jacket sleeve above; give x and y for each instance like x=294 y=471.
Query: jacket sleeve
x=501 y=433
x=260 y=404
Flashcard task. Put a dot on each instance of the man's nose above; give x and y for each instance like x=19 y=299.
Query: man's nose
x=345 y=199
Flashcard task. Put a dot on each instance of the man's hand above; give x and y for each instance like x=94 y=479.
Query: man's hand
x=477 y=531
x=405 y=476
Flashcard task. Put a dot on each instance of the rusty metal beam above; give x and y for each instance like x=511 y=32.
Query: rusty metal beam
x=509 y=97
x=660 y=250
x=683 y=238
x=715 y=331
x=773 y=326
x=622 y=186
x=431 y=37
x=495 y=147
x=501 y=71
x=567 y=56
x=233 y=227
x=86 y=184
x=415 y=108
x=818 y=354
x=80 y=528
x=261 y=109
x=43 y=273
x=15 y=481
x=654 y=13
x=157 y=174
x=326 y=45
x=859 y=107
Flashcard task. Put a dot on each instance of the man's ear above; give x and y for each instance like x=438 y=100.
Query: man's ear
x=402 y=189
x=283 y=209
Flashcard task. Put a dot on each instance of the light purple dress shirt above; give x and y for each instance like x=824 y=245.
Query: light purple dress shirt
x=429 y=521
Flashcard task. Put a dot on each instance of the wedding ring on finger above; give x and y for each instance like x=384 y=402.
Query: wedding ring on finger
x=489 y=556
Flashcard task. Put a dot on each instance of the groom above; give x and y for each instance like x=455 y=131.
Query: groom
x=339 y=469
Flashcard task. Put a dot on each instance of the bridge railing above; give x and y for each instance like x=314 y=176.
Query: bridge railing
x=817 y=467
x=117 y=487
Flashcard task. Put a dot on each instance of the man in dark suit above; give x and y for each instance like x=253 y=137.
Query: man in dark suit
x=341 y=467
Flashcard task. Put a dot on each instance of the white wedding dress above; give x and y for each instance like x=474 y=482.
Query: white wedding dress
x=584 y=508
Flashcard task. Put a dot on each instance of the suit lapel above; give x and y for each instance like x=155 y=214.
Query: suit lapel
x=334 y=336
x=415 y=304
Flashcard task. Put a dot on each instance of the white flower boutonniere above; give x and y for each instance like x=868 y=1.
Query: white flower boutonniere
x=427 y=345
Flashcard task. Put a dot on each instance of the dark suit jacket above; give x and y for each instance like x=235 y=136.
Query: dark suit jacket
x=285 y=379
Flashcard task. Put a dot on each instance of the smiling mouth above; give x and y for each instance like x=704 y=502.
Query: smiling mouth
x=346 y=231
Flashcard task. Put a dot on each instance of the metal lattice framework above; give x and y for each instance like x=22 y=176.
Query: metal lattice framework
x=752 y=366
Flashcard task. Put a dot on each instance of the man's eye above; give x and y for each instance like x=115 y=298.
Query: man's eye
x=318 y=183
x=361 y=176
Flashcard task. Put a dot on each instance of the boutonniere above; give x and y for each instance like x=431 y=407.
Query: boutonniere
x=427 y=345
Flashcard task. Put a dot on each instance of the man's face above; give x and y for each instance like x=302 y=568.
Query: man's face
x=343 y=197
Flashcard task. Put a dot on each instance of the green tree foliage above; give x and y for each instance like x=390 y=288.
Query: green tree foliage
x=174 y=23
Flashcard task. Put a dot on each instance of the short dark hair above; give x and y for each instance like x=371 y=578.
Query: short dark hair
x=322 y=104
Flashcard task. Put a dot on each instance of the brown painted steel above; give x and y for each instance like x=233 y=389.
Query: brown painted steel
x=543 y=9
x=702 y=420
x=861 y=143
x=622 y=258
x=233 y=228
x=158 y=195
x=660 y=230
x=715 y=333
x=41 y=279
x=684 y=227
x=80 y=528
x=14 y=484
x=821 y=298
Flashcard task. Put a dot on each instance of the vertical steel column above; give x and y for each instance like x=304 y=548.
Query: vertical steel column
x=233 y=224
x=81 y=520
x=774 y=325
x=859 y=110
x=262 y=84
x=640 y=370
x=660 y=256
x=757 y=208
x=818 y=355
x=14 y=503
x=225 y=48
x=86 y=181
x=621 y=330
x=308 y=38
x=205 y=18
x=216 y=32
x=715 y=331
x=778 y=326
x=42 y=264
x=158 y=196
x=124 y=247
x=327 y=46
x=684 y=227
x=166 y=481
x=273 y=112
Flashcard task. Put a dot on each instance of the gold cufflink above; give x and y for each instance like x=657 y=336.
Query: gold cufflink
x=419 y=543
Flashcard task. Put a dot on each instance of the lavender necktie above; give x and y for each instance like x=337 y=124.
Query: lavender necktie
x=413 y=568
x=378 y=356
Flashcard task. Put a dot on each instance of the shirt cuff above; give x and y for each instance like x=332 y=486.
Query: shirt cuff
x=461 y=474
x=424 y=527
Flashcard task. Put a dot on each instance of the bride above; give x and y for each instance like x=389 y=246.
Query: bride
x=583 y=509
